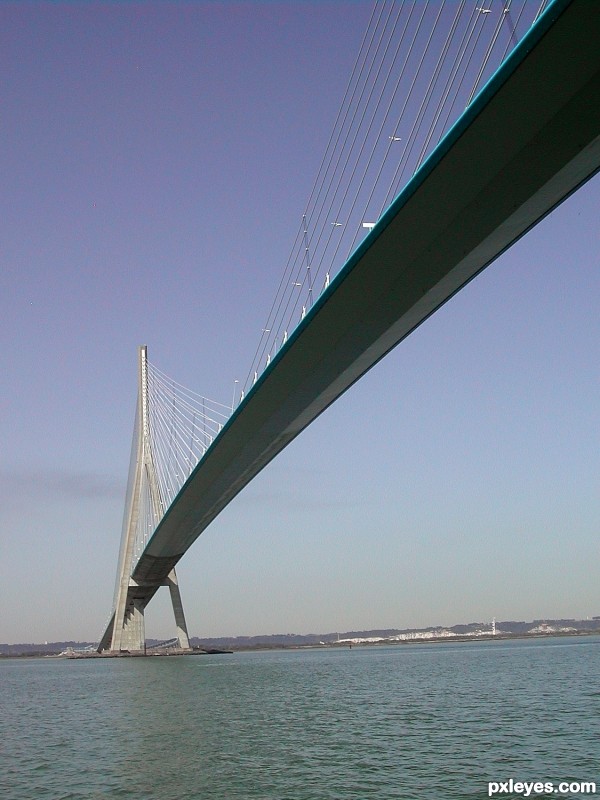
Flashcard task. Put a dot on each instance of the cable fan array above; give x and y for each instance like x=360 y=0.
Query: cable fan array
x=419 y=66
x=181 y=426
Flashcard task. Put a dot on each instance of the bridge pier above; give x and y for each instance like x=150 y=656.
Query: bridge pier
x=129 y=635
x=133 y=634
x=180 y=623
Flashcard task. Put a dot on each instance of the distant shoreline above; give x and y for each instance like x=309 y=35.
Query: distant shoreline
x=335 y=645
x=344 y=645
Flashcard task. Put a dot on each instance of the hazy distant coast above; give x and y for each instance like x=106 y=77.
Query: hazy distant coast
x=469 y=631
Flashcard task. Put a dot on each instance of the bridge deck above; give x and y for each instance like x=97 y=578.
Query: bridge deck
x=525 y=144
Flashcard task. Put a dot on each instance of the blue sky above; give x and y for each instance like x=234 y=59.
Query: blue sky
x=155 y=161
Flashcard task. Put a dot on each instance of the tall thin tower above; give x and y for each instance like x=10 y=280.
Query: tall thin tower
x=128 y=632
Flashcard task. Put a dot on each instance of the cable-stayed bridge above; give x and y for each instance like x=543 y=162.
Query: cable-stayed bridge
x=525 y=141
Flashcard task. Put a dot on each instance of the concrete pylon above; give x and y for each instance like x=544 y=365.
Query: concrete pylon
x=128 y=630
x=182 y=633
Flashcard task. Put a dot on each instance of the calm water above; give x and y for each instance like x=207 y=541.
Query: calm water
x=416 y=721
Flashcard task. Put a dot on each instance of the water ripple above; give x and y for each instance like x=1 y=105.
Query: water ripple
x=413 y=722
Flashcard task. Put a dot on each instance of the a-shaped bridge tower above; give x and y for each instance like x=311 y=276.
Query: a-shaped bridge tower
x=174 y=427
x=144 y=507
x=150 y=488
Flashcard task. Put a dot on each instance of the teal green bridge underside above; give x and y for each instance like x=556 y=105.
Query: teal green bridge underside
x=530 y=139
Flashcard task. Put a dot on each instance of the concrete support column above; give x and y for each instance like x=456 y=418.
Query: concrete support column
x=182 y=632
x=133 y=635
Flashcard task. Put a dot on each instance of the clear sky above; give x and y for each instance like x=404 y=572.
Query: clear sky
x=155 y=161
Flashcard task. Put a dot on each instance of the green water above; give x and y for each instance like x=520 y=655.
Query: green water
x=410 y=721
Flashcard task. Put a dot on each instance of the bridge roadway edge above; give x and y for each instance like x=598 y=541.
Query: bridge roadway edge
x=453 y=219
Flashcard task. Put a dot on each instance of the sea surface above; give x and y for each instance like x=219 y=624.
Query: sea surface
x=421 y=721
